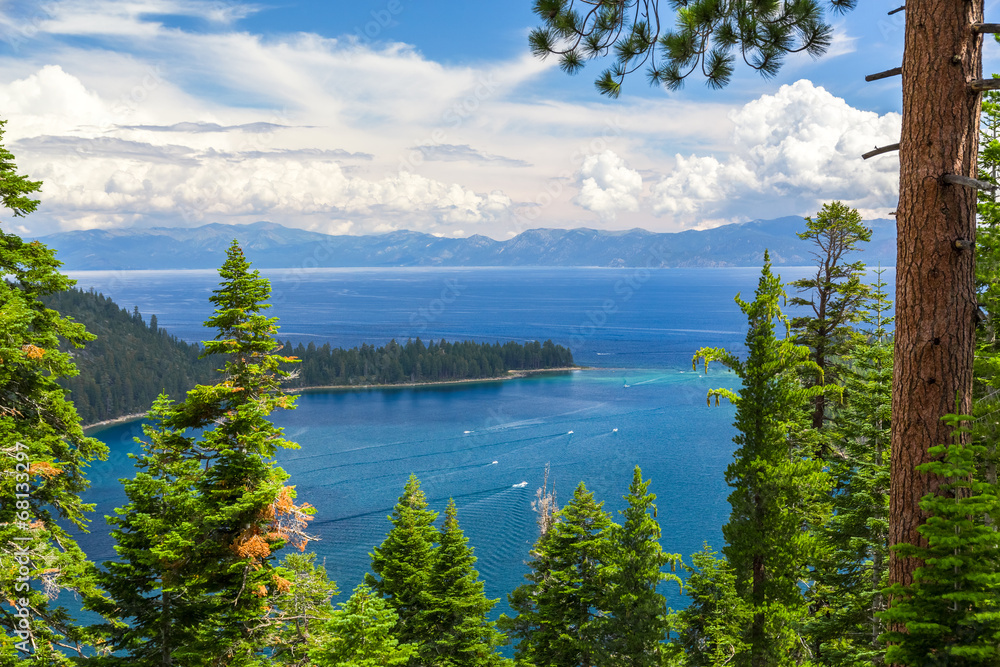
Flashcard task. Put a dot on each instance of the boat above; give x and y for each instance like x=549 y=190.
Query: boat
x=519 y=486
x=570 y=433
x=614 y=430
x=494 y=463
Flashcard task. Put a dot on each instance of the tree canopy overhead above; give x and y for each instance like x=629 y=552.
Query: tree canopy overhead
x=709 y=36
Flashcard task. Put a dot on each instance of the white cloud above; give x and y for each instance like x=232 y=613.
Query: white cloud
x=607 y=185
x=800 y=147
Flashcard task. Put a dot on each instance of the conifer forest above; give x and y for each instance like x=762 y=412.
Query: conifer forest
x=863 y=522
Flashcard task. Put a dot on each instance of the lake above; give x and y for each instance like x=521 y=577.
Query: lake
x=485 y=445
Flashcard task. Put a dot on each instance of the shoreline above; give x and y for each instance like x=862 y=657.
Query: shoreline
x=511 y=375
x=97 y=427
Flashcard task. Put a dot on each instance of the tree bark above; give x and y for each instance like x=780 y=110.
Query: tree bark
x=935 y=283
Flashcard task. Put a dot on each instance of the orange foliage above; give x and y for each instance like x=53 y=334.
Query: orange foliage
x=44 y=469
x=32 y=351
x=253 y=547
x=260 y=591
x=283 y=585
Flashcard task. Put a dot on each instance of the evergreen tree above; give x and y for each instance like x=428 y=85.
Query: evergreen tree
x=778 y=488
x=458 y=634
x=361 y=634
x=43 y=452
x=155 y=534
x=834 y=293
x=853 y=569
x=986 y=380
x=301 y=608
x=404 y=562
x=712 y=627
x=637 y=613
x=951 y=611
x=235 y=513
x=560 y=612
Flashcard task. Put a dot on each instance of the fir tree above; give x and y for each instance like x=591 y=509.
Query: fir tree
x=853 y=568
x=951 y=611
x=361 y=634
x=711 y=628
x=458 y=634
x=637 y=613
x=222 y=545
x=778 y=488
x=404 y=561
x=43 y=452
x=560 y=612
x=834 y=293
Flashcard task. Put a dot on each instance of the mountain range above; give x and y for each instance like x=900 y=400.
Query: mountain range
x=270 y=245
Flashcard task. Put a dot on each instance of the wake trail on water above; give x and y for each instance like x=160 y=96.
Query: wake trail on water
x=358 y=464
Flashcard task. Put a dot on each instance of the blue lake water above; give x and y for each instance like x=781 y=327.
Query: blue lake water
x=486 y=445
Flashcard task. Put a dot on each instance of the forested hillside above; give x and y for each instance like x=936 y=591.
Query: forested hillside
x=131 y=361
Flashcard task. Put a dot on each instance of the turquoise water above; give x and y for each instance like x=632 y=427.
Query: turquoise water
x=486 y=445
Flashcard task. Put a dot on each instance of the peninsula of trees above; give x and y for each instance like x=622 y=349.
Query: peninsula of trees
x=132 y=361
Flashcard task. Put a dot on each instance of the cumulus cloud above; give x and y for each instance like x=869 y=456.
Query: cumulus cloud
x=800 y=147
x=607 y=185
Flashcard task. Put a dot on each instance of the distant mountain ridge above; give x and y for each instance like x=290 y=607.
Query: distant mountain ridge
x=270 y=245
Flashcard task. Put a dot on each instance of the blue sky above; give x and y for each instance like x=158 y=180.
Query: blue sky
x=372 y=116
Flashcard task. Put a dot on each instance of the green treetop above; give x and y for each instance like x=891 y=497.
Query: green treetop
x=43 y=452
x=234 y=513
x=711 y=629
x=403 y=563
x=777 y=487
x=559 y=620
x=834 y=294
x=362 y=634
x=458 y=634
x=637 y=612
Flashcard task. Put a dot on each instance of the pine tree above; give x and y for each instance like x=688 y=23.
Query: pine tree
x=951 y=611
x=834 y=293
x=853 y=569
x=233 y=514
x=637 y=613
x=560 y=612
x=711 y=628
x=361 y=634
x=43 y=452
x=459 y=635
x=404 y=561
x=778 y=488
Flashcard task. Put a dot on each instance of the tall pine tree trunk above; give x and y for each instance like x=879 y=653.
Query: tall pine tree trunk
x=935 y=293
